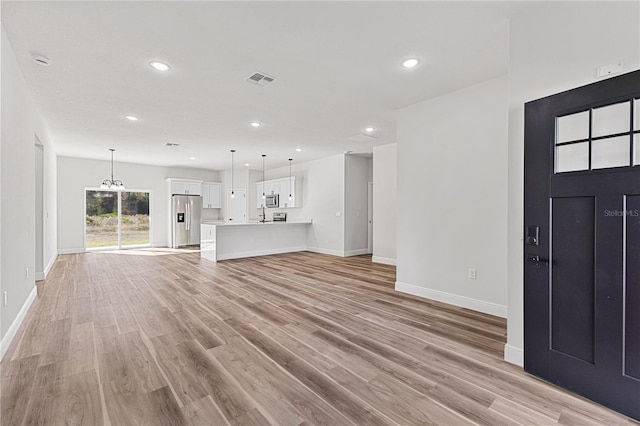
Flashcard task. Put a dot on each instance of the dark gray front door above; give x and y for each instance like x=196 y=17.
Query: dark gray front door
x=582 y=241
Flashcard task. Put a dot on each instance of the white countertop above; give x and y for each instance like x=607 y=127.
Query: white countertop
x=291 y=222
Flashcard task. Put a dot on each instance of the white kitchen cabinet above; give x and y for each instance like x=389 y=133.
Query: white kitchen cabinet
x=280 y=187
x=288 y=187
x=211 y=195
x=194 y=188
x=185 y=187
x=271 y=188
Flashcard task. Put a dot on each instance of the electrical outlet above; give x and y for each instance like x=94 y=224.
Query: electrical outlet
x=473 y=273
x=5 y=298
x=26 y=273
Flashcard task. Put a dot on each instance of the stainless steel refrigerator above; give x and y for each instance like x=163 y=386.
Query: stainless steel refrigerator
x=186 y=212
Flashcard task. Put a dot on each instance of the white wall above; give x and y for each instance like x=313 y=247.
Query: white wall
x=452 y=197
x=356 y=170
x=76 y=174
x=571 y=40
x=255 y=176
x=321 y=184
x=384 y=203
x=240 y=181
x=320 y=188
x=21 y=124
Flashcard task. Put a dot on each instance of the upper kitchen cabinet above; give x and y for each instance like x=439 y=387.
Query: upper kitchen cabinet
x=185 y=187
x=211 y=195
x=288 y=187
x=280 y=187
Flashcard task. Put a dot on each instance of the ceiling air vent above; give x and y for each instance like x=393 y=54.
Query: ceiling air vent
x=261 y=79
x=361 y=138
x=171 y=145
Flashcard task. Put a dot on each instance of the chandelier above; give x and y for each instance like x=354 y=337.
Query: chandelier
x=112 y=184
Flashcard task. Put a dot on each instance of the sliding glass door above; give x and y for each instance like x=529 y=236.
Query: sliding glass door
x=116 y=219
x=134 y=214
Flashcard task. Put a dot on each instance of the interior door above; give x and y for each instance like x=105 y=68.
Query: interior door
x=582 y=241
x=237 y=206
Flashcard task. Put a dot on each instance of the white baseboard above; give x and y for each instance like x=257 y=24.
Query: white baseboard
x=355 y=252
x=71 y=250
x=514 y=355
x=11 y=332
x=453 y=299
x=384 y=260
x=40 y=276
x=240 y=255
x=337 y=252
x=52 y=261
x=325 y=251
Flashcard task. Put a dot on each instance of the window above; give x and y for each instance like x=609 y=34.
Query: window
x=116 y=219
x=598 y=138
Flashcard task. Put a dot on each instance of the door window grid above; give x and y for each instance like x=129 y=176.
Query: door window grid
x=598 y=138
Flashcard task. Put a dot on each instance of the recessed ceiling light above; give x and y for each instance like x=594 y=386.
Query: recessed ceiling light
x=299 y=149
x=247 y=164
x=369 y=129
x=192 y=158
x=255 y=124
x=160 y=66
x=41 y=60
x=410 y=63
x=131 y=117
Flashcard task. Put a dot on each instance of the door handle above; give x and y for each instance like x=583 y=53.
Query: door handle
x=188 y=224
x=534 y=259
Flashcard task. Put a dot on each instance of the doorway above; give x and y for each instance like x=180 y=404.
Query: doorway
x=117 y=219
x=582 y=241
x=237 y=206
x=39 y=213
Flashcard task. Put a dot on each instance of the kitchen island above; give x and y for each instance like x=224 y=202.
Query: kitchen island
x=223 y=240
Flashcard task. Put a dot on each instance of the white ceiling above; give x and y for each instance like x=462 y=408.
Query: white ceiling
x=337 y=64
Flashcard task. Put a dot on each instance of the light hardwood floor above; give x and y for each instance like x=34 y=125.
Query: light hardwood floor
x=128 y=339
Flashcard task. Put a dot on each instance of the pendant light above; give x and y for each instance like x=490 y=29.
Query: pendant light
x=233 y=194
x=290 y=191
x=263 y=195
x=112 y=184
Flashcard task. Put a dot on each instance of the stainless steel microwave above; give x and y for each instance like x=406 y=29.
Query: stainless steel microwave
x=272 y=201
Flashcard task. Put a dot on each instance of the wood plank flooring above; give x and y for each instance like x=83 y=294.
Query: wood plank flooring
x=295 y=339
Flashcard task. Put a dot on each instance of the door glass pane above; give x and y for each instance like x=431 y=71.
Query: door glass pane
x=611 y=119
x=636 y=150
x=135 y=218
x=613 y=152
x=573 y=157
x=101 y=218
x=573 y=127
x=636 y=109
